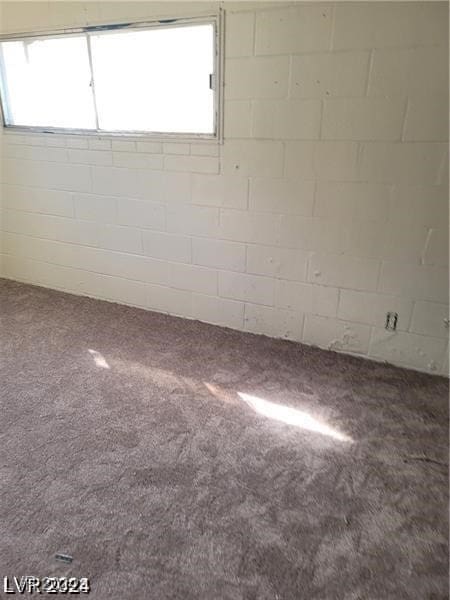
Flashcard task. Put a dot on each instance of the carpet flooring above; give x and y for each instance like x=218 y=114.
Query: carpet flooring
x=177 y=460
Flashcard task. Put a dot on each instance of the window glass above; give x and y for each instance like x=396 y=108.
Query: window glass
x=155 y=80
x=47 y=82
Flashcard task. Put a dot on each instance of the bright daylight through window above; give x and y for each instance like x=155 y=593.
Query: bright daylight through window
x=146 y=79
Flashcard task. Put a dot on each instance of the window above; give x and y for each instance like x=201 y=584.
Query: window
x=155 y=78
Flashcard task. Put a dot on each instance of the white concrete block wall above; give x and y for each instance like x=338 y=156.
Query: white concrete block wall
x=325 y=207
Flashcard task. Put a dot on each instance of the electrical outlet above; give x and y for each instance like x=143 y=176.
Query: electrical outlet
x=391 y=321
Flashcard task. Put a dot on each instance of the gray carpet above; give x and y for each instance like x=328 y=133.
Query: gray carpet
x=178 y=460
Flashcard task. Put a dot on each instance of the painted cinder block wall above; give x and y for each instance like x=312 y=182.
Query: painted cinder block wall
x=325 y=207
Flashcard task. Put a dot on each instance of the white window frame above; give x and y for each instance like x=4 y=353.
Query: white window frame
x=215 y=20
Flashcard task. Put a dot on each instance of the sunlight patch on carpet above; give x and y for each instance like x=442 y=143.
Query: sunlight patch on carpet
x=99 y=359
x=292 y=416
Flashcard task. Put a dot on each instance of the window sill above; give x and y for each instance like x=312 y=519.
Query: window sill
x=123 y=135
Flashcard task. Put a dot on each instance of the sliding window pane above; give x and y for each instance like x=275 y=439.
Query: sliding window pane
x=155 y=80
x=46 y=83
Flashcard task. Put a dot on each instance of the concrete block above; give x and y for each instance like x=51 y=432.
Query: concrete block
x=99 y=144
x=219 y=311
x=90 y=207
x=90 y=157
x=375 y=25
x=176 y=148
x=435 y=250
x=69 y=141
x=237 y=119
x=193 y=278
x=371 y=308
x=205 y=149
x=281 y=263
x=405 y=71
x=282 y=196
x=176 y=188
x=287 y=119
x=312 y=233
x=363 y=118
x=407 y=245
x=72 y=178
x=239 y=33
x=225 y=191
x=408 y=349
x=253 y=158
x=430 y=318
x=164 y=246
x=112 y=237
x=50 y=202
x=322 y=160
x=127 y=183
x=137 y=213
x=256 y=77
x=365 y=239
x=407 y=163
x=192 y=164
x=243 y=226
x=192 y=220
x=218 y=254
x=149 y=147
x=307 y=298
x=419 y=282
x=344 y=271
x=292 y=30
x=326 y=235
x=110 y=288
x=273 y=322
x=133 y=160
x=123 y=146
x=419 y=205
x=329 y=74
x=336 y=335
x=123 y=239
x=427 y=118
x=247 y=288
x=350 y=201
x=168 y=300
